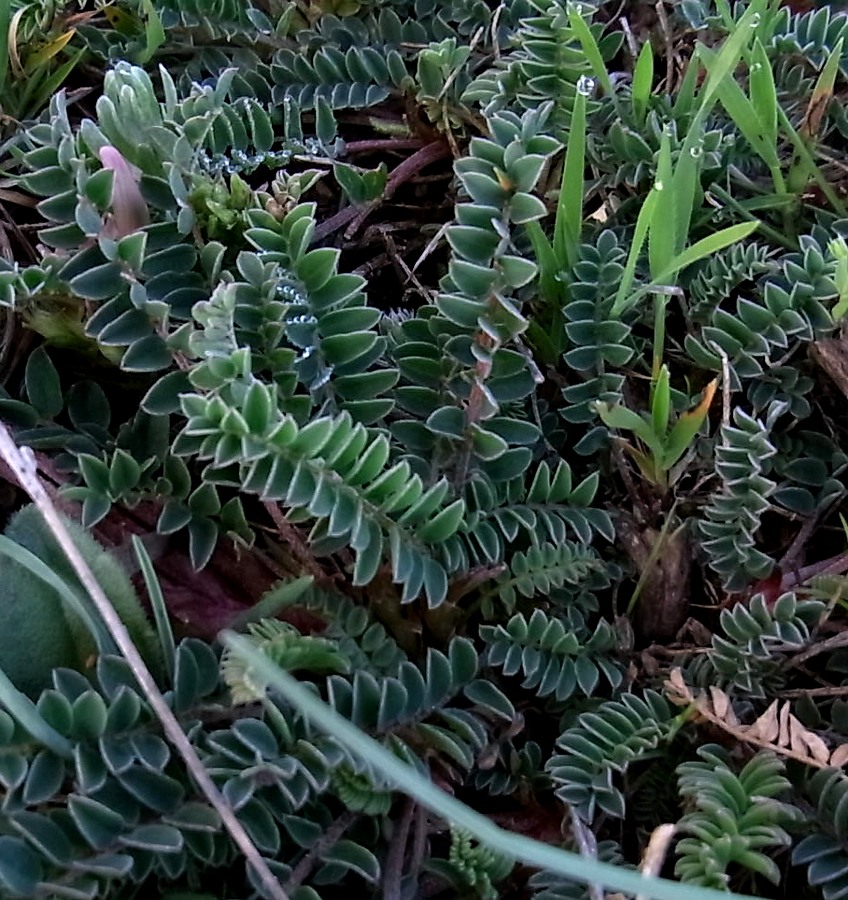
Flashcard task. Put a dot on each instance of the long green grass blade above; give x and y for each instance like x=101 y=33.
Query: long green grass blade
x=705 y=247
x=747 y=114
x=643 y=81
x=686 y=190
x=569 y=214
x=593 y=53
x=806 y=159
x=42 y=87
x=684 y=103
x=661 y=402
x=662 y=237
x=409 y=781
x=154 y=33
x=24 y=711
x=75 y=602
x=5 y=21
x=640 y=232
x=764 y=95
x=157 y=604
x=728 y=57
x=545 y=259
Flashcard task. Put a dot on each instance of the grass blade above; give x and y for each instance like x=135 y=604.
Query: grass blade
x=593 y=53
x=763 y=95
x=661 y=402
x=705 y=247
x=805 y=158
x=157 y=604
x=687 y=426
x=640 y=232
x=75 y=603
x=727 y=59
x=409 y=781
x=5 y=21
x=24 y=711
x=569 y=214
x=643 y=81
x=662 y=239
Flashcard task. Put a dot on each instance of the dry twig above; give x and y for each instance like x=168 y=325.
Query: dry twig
x=21 y=460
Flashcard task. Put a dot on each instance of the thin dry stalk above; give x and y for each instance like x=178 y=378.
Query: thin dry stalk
x=21 y=460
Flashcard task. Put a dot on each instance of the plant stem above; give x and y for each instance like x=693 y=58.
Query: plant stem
x=393 y=869
x=328 y=839
x=410 y=167
x=22 y=462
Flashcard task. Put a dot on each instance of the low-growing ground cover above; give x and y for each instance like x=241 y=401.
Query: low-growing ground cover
x=463 y=387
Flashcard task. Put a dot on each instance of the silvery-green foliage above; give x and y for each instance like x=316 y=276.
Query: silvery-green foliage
x=449 y=485
x=747 y=658
x=824 y=850
x=604 y=742
x=732 y=518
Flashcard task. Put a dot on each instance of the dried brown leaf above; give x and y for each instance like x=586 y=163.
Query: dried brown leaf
x=776 y=729
x=766 y=728
x=678 y=691
x=722 y=707
x=839 y=757
x=783 y=734
x=805 y=741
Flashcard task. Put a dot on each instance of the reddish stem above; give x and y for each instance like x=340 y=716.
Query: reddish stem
x=410 y=167
x=383 y=144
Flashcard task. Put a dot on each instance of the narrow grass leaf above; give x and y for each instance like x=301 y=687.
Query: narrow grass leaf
x=684 y=103
x=822 y=94
x=806 y=165
x=728 y=58
x=662 y=239
x=157 y=604
x=686 y=185
x=661 y=402
x=5 y=36
x=545 y=259
x=569 y=214
x=745 y=115
x=593 y=52
x=763 y=94
x=687 y=427
x=706 y=247
x=24 y=711
x=41 y=88
x=640 y=232
x=643 y=80
x=36 y=566
x=154 y=33
x=408 y=780
x=46 y=53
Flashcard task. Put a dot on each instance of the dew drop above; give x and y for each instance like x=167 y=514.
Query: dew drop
x=322 y=378
x=586 y=86
x=696 y=151
x=755 y=20
x=658 y=186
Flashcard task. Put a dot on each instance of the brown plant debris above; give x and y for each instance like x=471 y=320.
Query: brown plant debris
x=776 y=729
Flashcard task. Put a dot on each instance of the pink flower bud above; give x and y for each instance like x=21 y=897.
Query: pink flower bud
x=129 y=211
